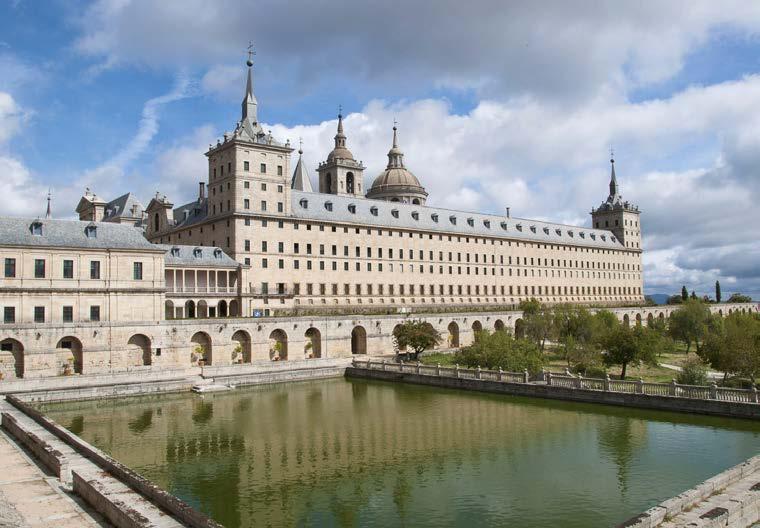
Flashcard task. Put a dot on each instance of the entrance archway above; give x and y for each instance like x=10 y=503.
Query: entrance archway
x=169 y=310
x=202 y=309
x=312 y=349
x=139 y=350
x=234 y=309
x=358 y=340
x=278 y=345
x=12 y=351
x=74 y=348
x=190 y=309
x=650 y=320
x=477 y=327
x=201 y=348
x=401 y=349
x=453 y=335
x=242 y=347
x=638 y=319
x=499 y=325
x=221 y=310
x=519 y=329
x=626 y=320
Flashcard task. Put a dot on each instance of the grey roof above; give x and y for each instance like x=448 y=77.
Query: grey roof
x=301 y=180
x=122 y=207
x=466 y=223
x=177 y=255
x=191 y=213
x=71 y=234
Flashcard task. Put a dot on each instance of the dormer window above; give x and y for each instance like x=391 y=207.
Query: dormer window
x=328 y=206
x=373 y=210
x=471 y=222
x=415 y=215
x=304 y=203
x=593 y=236
x=582 y=234
x=546 y=230
x=36 y=228
x=352 y=208
x=453 y=219
x=604 y=238
x=394 y=213
x=175 y=252
x=519 y=227
x=487 y=223
x=533 y=228
x=558 y=231
x=504 y=226
x=218 y=253
x=91 y=231
x=197 y=252
x=613 y=239
x=434 y=217
x=570 y=233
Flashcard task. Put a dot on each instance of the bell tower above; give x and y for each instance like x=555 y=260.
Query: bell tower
x=619 y=216
x=341 y=174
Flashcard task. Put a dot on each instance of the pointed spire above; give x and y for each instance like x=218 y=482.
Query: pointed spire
x=613 y=179
x=301 y=180
x=340 y=137
x=395 y=155
x=249 y=100
x=48 y=213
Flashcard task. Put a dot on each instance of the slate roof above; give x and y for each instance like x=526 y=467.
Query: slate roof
x=197 y=211
x=205 y=256
x=467 y=223
x=71 y=234
x=121 y=207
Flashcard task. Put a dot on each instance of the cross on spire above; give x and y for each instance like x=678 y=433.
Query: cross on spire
x=251 y=53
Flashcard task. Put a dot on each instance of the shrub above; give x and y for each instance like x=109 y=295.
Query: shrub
x=693 y=372
x=501 y=350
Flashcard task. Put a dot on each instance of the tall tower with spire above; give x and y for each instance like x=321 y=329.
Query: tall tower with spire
x=618 y=215
x=341 y=173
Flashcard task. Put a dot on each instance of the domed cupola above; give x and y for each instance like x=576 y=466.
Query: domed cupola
x=396 y=183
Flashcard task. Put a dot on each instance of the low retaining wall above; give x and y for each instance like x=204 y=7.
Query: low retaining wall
x=688 y=499
x=542 y=390
x=50 y=457
x=162 y=499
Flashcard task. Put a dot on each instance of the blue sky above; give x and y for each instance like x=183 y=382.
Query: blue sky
x=498 y=105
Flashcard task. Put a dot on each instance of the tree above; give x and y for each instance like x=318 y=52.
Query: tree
x=417 y=335
x=739 y=298
x=648 y=301
x=502 y=350
x=693 y=294
x=693 y=372
x=689 y=322
x=632 y=346
x=537 y=320
x=684 y=293
x=675 y=299
x=717 y=291
x=573 y=327
x=734 y=346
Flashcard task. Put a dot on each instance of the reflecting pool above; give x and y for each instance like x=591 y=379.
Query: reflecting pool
x=365 y=453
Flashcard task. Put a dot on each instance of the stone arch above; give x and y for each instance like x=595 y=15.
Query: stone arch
x=358 y=340
x=221 y=309
x=400 y=349
x=75 y=359
x=169 y=310
x=662 y=315
x=139 y=350
x=190 y=309
x=638 y=319
x=416 y=201
x=201 y=348
x=477 y=327
x=233 y=309
x=242 y=346
x=350 y=184
x=453 y=335
x=278 y=345
x=519 y=328
x=650 y=319
x=12 y=351
x=313 y=346
x=202 y=308
x=498 y=326
x=626 y=320
x=720 y=313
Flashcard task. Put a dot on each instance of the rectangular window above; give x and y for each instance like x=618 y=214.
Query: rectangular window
x=246 y=166
x=247 y=245
x=10 y=267
x=263 y=205
x=94 y=313
x=94 y=269
x=280 y=188
x=68 y=314
x=246 y=185
x=279 y=170
x=246 y=203
x=9 y=314
x=137 y=272
x=39 y=314
x=280 y=207
x=263 y=168
x=39 y=268
x=68 y=269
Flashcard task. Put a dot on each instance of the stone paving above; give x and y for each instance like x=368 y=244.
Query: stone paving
x=30 y=498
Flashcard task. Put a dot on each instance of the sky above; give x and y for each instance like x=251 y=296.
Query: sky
x=499 y=104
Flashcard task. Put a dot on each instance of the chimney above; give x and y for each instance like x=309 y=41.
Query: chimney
x=508 y=212
x=201 y=191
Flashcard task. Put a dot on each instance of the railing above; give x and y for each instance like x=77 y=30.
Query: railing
x=201 y=289
x=568 y=381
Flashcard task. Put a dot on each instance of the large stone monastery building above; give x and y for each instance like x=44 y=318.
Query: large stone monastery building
x=347 y=246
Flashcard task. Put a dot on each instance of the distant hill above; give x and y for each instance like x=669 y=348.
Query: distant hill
x=660 y=298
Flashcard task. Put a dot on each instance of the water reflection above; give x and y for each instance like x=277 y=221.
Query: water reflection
x=354 y=453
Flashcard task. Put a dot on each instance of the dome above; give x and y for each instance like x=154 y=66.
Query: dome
x=340 y=153
x=395 y=177
x=397 y=183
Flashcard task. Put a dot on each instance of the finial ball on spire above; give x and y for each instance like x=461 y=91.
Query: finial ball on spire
x=249 y=62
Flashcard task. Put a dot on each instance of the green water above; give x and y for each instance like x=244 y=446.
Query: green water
x=361 y=453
